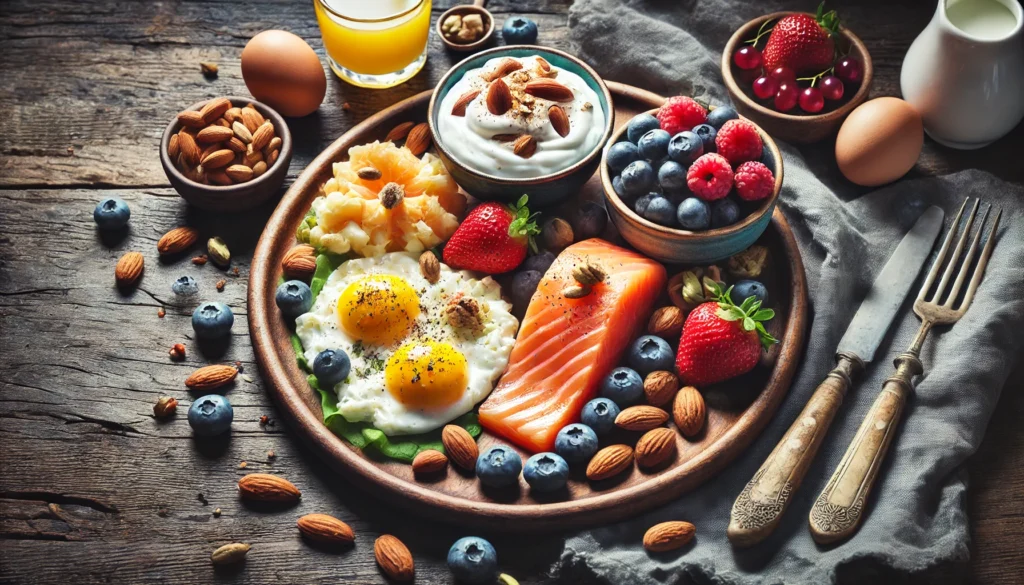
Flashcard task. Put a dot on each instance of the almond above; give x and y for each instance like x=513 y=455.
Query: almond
x=259 y=168
x=666 y=322
x=261 y=137
x=299 y=262
x=223 y=122
x=668 y=536
x=544 y=68
x=688 y=411
x=234 y=113
x=641 y=418
x=213 y=134
x=429 y=461
x=274 y=144
x=211 y=377
x=461 y=447
x=272 y=158
x=191 y=119
x=263 y=487
x=660 y=387
x=559 y=120
x=251 y=119
x=235 y=145
x=399 y=132
x=548 y=89
x=210 y=149
x=505 y=137
x=459 y=109
x=324 y=529
x=525 y=146
x=394 y=558
x=230 y=554
x=499 y=97
x=129 y=269
x=239 y=173
x=418 y=140
x=188 y=148
x=217 y=159
x=214 y=109
x=430 y=266
x=250 y=159
x=505 y=66
x=655 y=447
x=241 y=132
x=172 y=147
x=177 y=240
x=219 y=177
x=609 y=462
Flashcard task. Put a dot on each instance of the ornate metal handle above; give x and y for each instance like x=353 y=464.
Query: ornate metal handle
x=836 y=513
x=759 y=507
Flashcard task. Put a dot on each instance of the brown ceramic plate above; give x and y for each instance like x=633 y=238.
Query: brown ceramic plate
x=737 y=410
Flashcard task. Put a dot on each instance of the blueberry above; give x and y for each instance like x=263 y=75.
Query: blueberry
x=591 y=221
x=111 y=214
x=623 y=386
x=724 y=212
x=685 y=147
x=546 y=472
x=473 y=561
x=185 y=286
x=641 y=124
x=519 y=30
x=210 y=415
x=331 y=367
x=749 y=288
x=576 y=443
x=707 y=134
x=694 y=214
x=672 y=176
x=721 y=115
x=524 y=284
x=212 y=320
x=654 y=144
x=649 y=354
x=599 y=414
x=661 y=211
x=637 y=177
x=620 y=190
x=540 y=262
x=620 y=155
x=640 y=206
x=499 y=466
x=294 y=298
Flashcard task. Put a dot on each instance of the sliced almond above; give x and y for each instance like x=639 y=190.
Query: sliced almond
x=459 y=109
x=505 y=66
x=548 y=89
x=499 y=97
x=212 y=134
x=525 y=146
x=559 y=120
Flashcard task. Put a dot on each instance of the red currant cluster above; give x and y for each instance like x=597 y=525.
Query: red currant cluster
x=783 y=87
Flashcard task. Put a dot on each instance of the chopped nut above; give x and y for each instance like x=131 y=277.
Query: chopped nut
x=177 y=351
x=666 y=322
x=243 y=465
x=234 y=271
x=589 y=274
x=712 y=274
x=369 y=173
x=749 y=263
x=693 y=291
x=220 y=285
x=209 y=68
x=345 y=107
x=556 y=234
x=271 y=455
x=219 y=252
x=472 y=28
x=264 y=419
x=576 y=292
x=216 y=513
x=160 y=312
x=391 y=195
x=465 y=313
x=199 y=260
x=165 y=406
x=451 y=25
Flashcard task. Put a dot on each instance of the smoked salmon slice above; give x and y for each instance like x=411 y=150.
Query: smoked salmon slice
x=565 y=346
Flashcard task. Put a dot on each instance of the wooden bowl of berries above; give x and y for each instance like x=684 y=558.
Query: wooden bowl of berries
x=797 y=75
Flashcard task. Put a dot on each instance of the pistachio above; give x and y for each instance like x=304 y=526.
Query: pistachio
x=712 y=274
x=589 y=274
x=218 y=252
x=693 y=292
x=391 y=195
x=576 y=291
x=749 y=263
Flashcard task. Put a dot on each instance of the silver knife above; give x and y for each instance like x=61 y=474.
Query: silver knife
x=760 y=506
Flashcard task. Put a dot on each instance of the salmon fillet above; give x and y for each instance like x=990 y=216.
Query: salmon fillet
x=566 y=346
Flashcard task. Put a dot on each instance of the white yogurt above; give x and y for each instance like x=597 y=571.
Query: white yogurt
x=470 y=138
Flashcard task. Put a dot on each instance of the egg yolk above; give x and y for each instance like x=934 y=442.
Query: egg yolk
x=426 y=374
x=378 y=309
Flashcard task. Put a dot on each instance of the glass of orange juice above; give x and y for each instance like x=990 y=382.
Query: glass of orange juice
x=374 y=43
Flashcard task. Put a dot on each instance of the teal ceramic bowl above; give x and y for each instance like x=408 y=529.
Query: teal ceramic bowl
x=544 y=190
x=678 y=246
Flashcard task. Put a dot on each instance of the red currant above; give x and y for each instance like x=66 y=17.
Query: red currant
x=831 y=87
x=811 y=100
x=849 y=70
x=783 y=74
x=747 y=58
x=765 y=87
x=786 y=97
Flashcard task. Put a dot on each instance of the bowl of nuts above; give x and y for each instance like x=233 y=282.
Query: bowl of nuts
x=466 y=28
x=227 y=153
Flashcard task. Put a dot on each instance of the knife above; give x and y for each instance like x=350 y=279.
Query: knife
x=760 y=506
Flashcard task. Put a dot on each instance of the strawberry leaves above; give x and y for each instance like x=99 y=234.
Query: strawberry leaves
x=749 y=314
x=828 y=20
x=524 y=224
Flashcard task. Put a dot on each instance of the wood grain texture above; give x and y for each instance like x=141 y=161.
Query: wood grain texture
x=92 y=488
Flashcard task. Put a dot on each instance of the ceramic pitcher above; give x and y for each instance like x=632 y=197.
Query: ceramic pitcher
x=965 y=72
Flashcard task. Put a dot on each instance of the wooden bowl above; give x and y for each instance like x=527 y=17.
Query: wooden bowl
x=678 y=246
x=795 y=128
x=476 y=8
x=231 y=197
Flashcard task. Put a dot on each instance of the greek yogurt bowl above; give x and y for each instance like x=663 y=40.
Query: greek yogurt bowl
x=545 y=139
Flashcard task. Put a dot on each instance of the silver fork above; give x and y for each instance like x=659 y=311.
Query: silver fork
x=837 y=512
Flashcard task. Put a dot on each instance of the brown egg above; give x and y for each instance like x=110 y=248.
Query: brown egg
x=281 y=70
x=879 y=141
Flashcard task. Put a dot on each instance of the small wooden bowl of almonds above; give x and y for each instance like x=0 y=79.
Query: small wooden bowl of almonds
x=226 y=154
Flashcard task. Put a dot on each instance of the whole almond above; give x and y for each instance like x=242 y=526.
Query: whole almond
x=188 y=148
x=235 y=145
x=394 y=558
x=239 y=173
x=655 y=447
x=274 y=144
x=230 y=554
x=326 y=530
x=172 y=147
x=219 y=177
x=559 y=120
x=525 y=146
x=460 y=446
x=299 y=262
x=499 y=97
x=211 y=377
x=459 y=109
x=668 y=536
x=241 y=132
x=191 y=119
x=218 y=159
x=213 y=134
x=609 y=462
x=233 y=113
x=272 y=158
x=261 y=137
x=210 y=149
x=660 y=387
x=177 y=240
x=264 y=487
x=259 y=168
x=165 y=406
x=129 y=269
x=548 y=89
x=505 y=66
x=418 y=140
x=214 y=109
x=223 y=122
x=251 y=119
x=688 y=411
x=641 y=418
x=399 y=132
x=666 y=322
x=250 y=159
x=429 y=461
x=430 y=266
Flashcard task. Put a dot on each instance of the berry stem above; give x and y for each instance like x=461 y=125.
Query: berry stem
x=761 y=32
x=816 y=78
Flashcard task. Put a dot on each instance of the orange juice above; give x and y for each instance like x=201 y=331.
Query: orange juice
x=375 y=43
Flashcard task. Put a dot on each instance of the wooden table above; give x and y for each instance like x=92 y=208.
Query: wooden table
x=92 y=488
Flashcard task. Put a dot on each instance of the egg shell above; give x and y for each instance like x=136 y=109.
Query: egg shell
x=281 y=70
x=879 y=141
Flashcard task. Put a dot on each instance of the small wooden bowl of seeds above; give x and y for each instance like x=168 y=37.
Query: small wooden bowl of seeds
x=226 y=154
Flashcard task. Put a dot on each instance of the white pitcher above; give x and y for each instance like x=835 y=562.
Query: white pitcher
x=965 y=72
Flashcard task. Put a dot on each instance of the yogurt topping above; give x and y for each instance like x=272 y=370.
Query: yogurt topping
x=483 y=141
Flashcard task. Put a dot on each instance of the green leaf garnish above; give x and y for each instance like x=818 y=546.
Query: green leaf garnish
x=749 y=313
x=525 y=223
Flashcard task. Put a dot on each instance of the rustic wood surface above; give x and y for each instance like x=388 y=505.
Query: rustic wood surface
x=92 y=488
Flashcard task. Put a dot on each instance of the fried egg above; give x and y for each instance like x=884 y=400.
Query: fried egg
x=412 y=370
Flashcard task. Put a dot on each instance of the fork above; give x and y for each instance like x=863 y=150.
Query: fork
x=837 y=512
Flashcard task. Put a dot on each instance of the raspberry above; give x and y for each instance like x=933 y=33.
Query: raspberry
x=738 y=141
x=681 y=113
x=710 y=177
x=754 y=181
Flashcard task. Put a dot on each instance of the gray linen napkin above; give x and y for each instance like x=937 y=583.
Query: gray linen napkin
x=915 y=517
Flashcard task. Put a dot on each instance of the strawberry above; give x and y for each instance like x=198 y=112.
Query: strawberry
x=721 y=340
x=803 y=43
x=493 y=238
